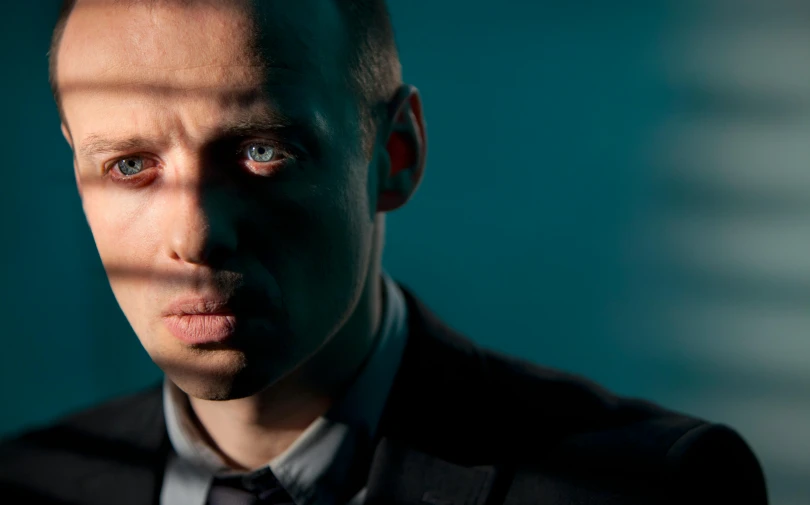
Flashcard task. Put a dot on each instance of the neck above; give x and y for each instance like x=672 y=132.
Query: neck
x=250 y=432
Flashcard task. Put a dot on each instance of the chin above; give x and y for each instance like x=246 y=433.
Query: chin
x=218 y=387
x=220 y=375
x=216 y=391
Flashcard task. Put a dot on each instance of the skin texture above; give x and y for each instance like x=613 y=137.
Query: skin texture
x=181 y=90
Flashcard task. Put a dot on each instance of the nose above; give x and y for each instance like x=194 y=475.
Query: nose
x=201 y=227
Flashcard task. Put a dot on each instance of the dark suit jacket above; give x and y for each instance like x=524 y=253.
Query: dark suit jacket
x=462 y=426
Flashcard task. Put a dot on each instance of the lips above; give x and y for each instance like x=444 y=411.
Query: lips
x=201 y=320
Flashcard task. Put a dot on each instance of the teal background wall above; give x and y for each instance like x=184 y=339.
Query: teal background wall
x=541 y=228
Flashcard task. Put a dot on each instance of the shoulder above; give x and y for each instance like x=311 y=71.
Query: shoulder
x=567 y=431
x=55 y=460
x=109 y=420
x=448 y=388
x=477 y=406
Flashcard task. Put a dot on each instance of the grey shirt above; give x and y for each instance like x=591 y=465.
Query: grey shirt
x=315 y=468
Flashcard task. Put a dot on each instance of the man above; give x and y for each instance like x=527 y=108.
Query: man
x=235 y=162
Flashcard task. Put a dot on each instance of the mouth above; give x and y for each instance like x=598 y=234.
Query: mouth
x=197 y=321
x=218 y=318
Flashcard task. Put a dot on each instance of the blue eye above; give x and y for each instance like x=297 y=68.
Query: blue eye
x=131 y=166
x=261 y=153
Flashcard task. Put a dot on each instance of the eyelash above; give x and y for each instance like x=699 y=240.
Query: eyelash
x=133 y=180
x=287 y=153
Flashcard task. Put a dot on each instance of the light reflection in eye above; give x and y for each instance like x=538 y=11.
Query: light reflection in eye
x=130 y=166
x=261 y=153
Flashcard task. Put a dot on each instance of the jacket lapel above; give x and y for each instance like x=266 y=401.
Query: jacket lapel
x=401 y=475
x=430 y=448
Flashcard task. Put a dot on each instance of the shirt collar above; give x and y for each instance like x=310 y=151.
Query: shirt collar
x=321 y=458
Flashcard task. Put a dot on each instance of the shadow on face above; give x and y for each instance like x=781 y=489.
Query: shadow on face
x=218 y=154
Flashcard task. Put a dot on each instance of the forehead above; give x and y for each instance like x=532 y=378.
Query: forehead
x=176 y=47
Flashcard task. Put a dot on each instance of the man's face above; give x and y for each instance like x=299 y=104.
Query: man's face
x=216 y=181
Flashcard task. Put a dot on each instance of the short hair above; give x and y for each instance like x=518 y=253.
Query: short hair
x=374 y=65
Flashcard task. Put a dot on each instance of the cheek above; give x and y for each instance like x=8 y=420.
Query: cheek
x=119 y=226
x=121 y=231
x=322 y=246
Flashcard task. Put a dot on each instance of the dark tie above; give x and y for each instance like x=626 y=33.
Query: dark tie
x=258 y=488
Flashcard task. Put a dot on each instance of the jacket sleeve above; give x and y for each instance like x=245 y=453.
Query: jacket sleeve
x=712 y=464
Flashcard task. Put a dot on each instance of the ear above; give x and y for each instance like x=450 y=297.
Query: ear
x=406 y=148
x=69 y=140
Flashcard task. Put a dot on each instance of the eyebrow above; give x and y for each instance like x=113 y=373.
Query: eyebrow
x=245 y=126
x=96 y=144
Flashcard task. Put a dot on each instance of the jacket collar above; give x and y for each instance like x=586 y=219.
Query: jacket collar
x=430 y=448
